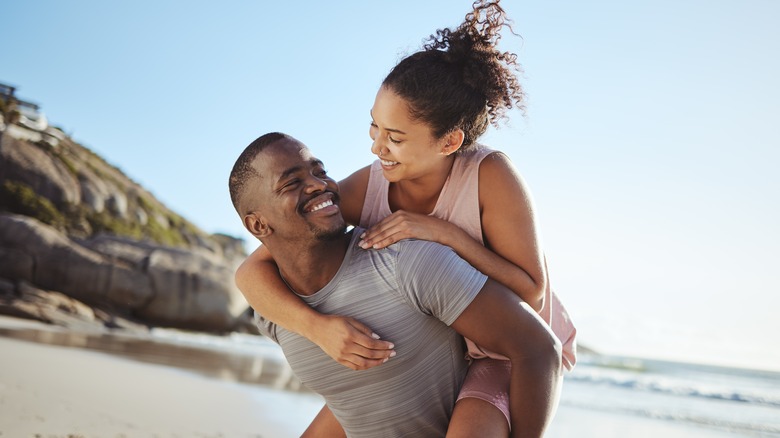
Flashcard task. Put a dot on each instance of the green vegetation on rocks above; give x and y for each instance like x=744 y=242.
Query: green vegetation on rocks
x=78 y=192
x=19 y=198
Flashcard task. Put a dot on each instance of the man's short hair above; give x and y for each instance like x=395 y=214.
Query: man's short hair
x=243 y=171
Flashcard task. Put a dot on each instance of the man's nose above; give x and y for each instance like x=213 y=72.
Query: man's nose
x=315 y=184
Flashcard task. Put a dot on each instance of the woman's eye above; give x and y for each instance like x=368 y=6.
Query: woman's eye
x=392 y=140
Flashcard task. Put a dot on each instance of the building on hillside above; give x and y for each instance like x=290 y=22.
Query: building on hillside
x=30 y=115
x=6 y=90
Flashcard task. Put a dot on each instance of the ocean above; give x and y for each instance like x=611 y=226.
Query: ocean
x=740 y=402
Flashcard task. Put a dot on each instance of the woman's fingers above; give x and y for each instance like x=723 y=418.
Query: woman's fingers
x=389 y=230
x=400 y=225
x=353 y=344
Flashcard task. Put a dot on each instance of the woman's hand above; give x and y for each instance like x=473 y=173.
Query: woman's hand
x=405 y=225
x=351 y=343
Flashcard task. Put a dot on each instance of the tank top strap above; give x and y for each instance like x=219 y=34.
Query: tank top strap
x=376 y=206
x=459 y=199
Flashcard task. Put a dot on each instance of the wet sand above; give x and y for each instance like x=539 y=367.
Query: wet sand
x=258 y=369
x=49 y=390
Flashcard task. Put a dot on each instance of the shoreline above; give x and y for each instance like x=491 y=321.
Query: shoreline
x=81 y=391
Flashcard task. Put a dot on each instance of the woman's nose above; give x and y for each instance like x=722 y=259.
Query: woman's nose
x=376 y=147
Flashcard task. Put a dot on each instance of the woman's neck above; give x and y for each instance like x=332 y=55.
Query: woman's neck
x=420 y=195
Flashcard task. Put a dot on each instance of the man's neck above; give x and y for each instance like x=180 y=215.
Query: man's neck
x=307 y=270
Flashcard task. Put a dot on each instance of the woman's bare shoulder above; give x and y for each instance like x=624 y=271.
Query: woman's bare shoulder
x=498 y=178
x=352 y=191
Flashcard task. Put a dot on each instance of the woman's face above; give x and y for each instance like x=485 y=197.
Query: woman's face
x=406 y=148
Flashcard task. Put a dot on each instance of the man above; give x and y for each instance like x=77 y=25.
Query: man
x=413 y=292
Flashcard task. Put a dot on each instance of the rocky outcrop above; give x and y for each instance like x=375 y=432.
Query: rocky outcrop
x=73 y=227
x=27 y=301
x=154 y=284
x=43 y=172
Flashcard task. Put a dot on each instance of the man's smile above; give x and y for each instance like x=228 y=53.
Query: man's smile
x=326 y=202
x=323 y=205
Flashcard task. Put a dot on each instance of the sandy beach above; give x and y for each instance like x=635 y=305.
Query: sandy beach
x=57 y=391
x=52 y=391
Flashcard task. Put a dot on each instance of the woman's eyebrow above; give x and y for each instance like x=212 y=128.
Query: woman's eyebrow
x=397 y=131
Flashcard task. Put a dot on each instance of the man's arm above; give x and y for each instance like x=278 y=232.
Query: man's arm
x=346 y=340
x=444 y=285
x=498 y=320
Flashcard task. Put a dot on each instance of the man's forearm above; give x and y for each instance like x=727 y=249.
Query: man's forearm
x=534 y=391
x=499 y=321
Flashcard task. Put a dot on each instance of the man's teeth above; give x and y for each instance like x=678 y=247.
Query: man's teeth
x=322 y=205
x=388 y=163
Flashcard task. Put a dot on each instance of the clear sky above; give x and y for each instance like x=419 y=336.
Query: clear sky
x=651 y=141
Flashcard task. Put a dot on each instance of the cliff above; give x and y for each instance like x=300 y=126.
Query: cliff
x=81 y=243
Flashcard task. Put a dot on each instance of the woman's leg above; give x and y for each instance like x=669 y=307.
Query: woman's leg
x=474 y=417
x=324 y=425
x=482 y=408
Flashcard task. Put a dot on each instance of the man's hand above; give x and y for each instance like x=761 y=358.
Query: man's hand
x=351 y=343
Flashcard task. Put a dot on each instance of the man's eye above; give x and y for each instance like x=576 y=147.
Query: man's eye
x=291 y=183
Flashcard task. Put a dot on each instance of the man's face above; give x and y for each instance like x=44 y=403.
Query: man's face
x=297 y=198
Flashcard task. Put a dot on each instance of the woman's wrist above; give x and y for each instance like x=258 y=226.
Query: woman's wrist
x=452 y=236
x=312 y=325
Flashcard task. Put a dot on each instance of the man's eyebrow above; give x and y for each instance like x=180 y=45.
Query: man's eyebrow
x=295 y=169
x=290 y=171
x=398 y=131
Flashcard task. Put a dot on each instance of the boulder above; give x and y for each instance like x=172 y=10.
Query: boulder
x=94 y=191
x=37 y=167
x=192 y=290
x=156 y=284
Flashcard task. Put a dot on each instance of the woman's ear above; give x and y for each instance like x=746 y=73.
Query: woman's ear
x=453 y=140
x=257 y=225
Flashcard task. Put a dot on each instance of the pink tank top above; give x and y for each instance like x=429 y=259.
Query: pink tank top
x=458 y=203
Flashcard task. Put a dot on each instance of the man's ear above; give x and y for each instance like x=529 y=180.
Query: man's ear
x=452 y=141
x=257 y=225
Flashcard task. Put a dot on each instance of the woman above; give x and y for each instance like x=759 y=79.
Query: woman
x=434 y=182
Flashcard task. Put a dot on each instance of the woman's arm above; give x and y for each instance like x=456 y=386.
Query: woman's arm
x=510 y=232
x=344 y=339
x=511 y=255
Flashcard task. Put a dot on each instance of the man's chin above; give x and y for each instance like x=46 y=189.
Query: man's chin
x=330 y=233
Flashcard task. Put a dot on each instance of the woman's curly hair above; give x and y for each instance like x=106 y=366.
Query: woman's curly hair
x=460 y=79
